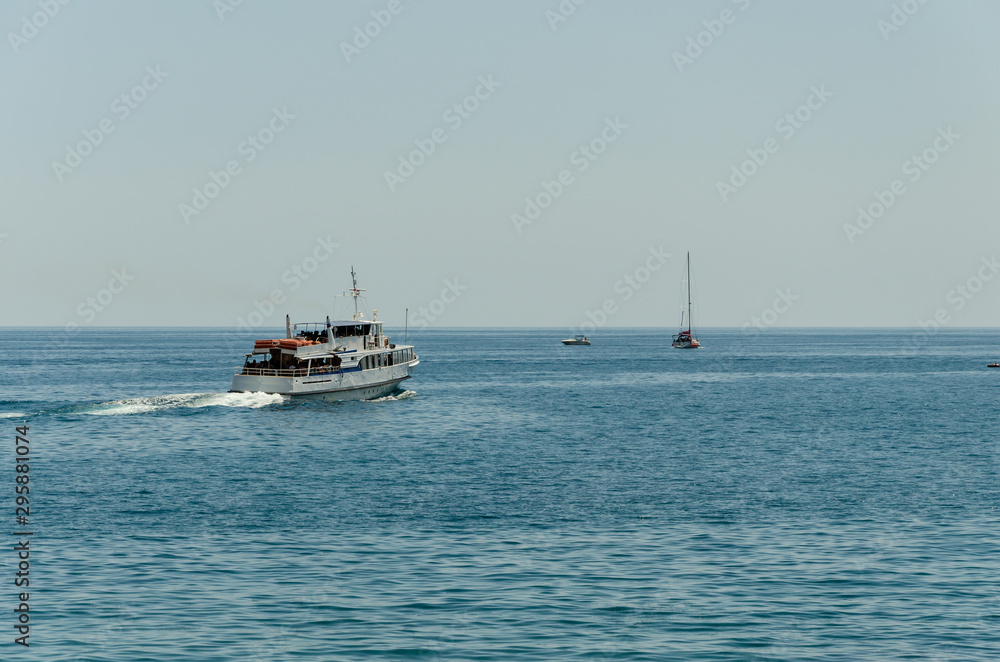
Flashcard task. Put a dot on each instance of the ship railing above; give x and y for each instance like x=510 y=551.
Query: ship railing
x=287 y=372
x=267 y=372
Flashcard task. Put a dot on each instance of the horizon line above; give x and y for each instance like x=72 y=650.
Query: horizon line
x=448 y=328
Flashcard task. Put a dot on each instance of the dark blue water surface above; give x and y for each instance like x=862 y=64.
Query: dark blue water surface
x=799 y=495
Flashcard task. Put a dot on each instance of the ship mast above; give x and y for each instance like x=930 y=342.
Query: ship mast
x=356 y=293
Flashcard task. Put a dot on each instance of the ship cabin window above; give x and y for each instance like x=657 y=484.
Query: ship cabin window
x=318 y=336
x=348 y=330
x=269 y=361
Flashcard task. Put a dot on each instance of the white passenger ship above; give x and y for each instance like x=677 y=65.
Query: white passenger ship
x=345 y=360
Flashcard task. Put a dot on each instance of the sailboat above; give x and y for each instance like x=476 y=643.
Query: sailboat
x=686 y=339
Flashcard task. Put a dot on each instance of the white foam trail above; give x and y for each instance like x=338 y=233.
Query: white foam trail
x=14 y=414
x=390 y=398
x=253 y=400
x=192 y=400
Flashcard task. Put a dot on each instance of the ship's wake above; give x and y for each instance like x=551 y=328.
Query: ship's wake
x=181 y=400
x=178 y=401
x=404 y=395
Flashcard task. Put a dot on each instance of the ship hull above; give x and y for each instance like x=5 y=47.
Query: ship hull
x=686 y=342
x=331 y=387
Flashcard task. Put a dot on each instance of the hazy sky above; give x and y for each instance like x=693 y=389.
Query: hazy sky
x=115 y=116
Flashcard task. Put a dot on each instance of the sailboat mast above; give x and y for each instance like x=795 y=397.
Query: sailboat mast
x=689 y=289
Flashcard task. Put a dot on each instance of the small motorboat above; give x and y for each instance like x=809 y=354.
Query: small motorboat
x=993 y=365
x=576 y=340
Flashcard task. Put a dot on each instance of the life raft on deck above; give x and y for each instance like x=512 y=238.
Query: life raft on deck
x=283 y=343
x=295 y=343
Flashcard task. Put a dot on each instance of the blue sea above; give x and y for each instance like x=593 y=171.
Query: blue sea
x=793 y=495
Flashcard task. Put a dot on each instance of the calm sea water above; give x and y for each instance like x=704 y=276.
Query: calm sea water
x=821 y=495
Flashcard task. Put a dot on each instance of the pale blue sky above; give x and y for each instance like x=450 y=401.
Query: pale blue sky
x=655 y=185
